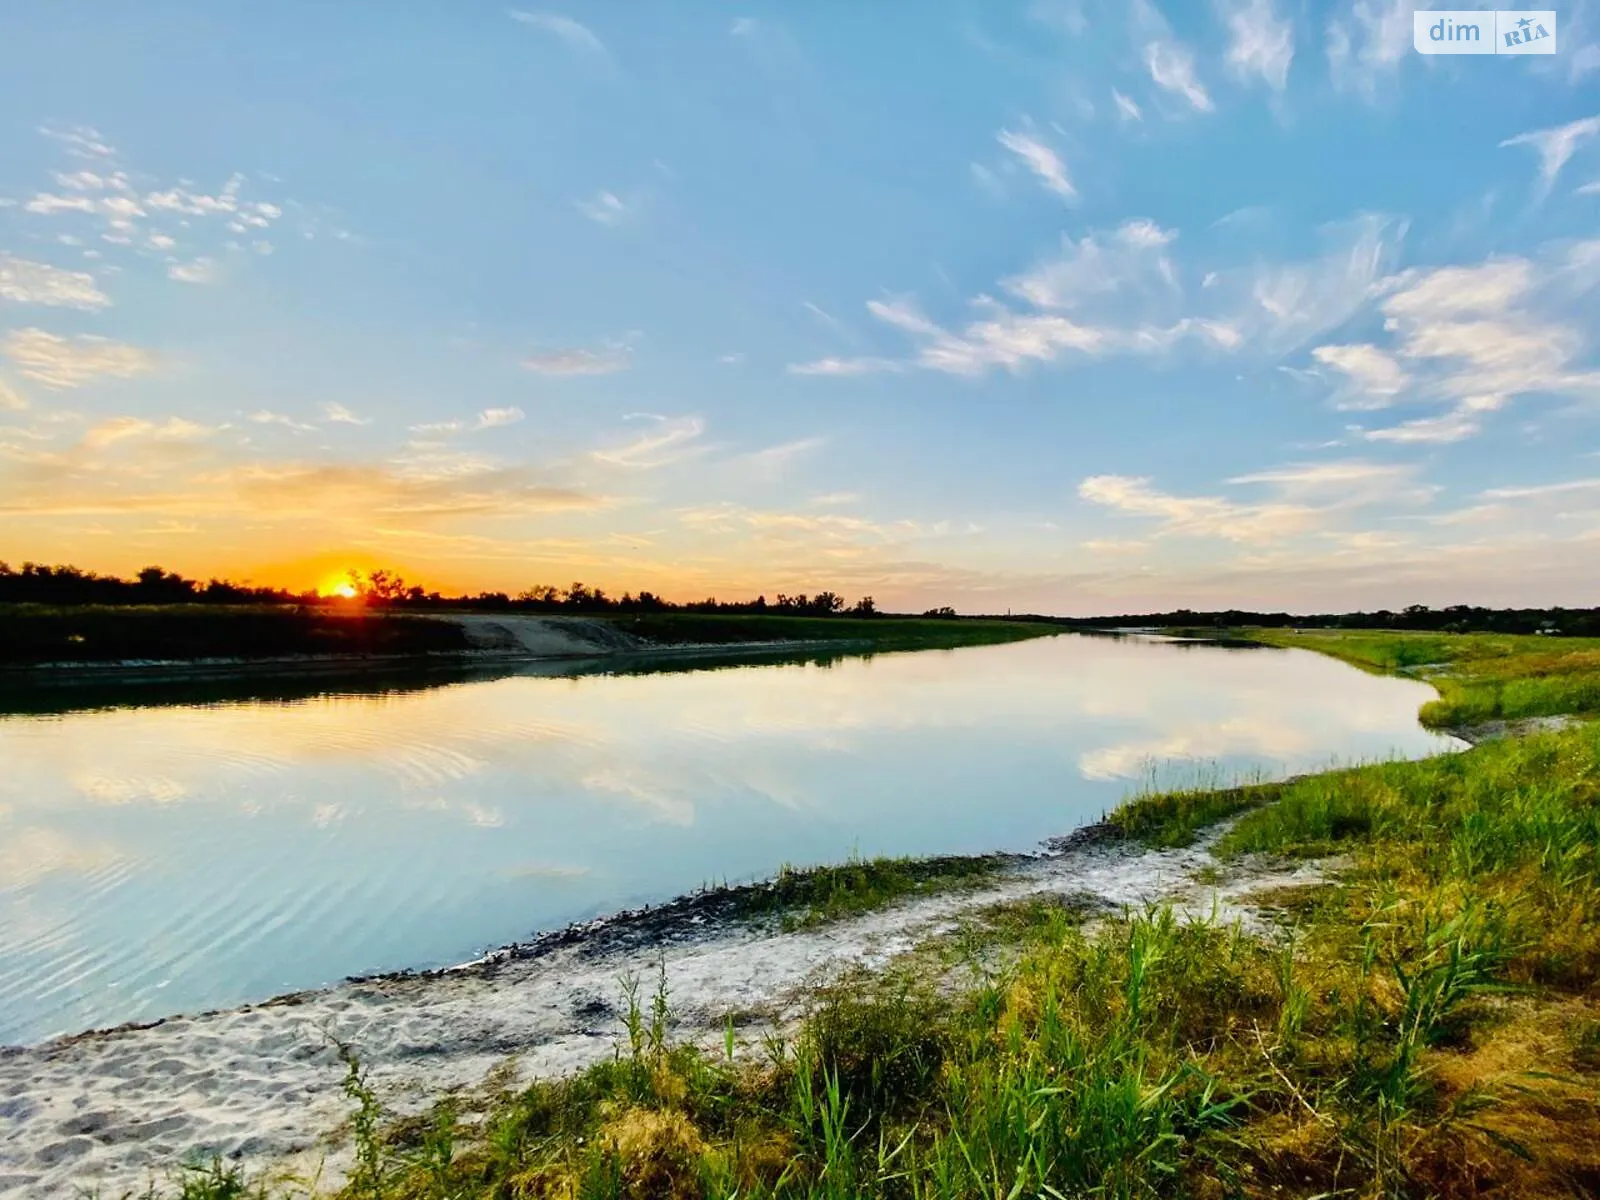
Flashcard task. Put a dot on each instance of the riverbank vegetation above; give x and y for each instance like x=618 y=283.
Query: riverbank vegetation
x=1424 y=1022
x=1480 y=677
x=878 y=632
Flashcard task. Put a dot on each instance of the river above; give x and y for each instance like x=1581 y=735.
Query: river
x=215 y=848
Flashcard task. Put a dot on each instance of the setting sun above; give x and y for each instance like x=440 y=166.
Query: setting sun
x=342 y=588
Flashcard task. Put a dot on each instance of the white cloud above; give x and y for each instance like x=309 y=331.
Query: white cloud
x=1284 y=305
x=334 y=413
x=578 y=362
x=47 y=203
x=1126 y=108
x=1541 y=490
x=494 y=418
x=1171 y=65
x=264 y=417
x=1556 y=145
x=1041 y=160
x=121 y=429
x=571 y=32
x=845 y=366
x=1260 y=42
x=1375 y=377
x=68 y=362
x=81 y=141
x=11 y=400
x=604 y=208
x=1131 y=256
x=1306 y=498
x=1456 y=425
x=1198 y=516
x=1369 y=43
x=25 y=282
x=201 y=270
x=672 y=439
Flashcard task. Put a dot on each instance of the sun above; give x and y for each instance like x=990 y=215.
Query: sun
x=340 y=588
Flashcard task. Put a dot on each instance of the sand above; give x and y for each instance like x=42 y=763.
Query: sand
x=115 y=1110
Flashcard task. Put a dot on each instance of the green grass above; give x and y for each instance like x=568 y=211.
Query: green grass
x=1480 y=677
x=809 y=896
x=882 y=633
x=1429 y=1027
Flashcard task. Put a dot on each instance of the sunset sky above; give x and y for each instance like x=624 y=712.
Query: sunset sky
x=1059 y=306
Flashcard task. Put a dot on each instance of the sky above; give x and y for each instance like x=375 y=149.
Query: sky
x=1055 y=306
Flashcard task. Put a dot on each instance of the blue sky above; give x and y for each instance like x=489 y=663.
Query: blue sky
x=1059 y=306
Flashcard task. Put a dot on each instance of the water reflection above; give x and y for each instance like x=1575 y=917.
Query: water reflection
x=167 y=857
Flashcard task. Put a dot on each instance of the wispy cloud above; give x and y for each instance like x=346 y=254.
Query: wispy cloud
x=573 y=33
x=26 y=282
x=1305 y=498
x=11 y=400
x=578 y=362
x=667 y=441
x=1368 y=43
x=845 y=366
x=1126 y=108
x=69 y=362
x=1556 y=146
x=334 y=413
x=1260 y=42
x=1039 y=158
x=80 y=141
x=123 y=429
x=1171 y=66
x=1197 y=516
x=1133 y=255
x=603 y=208
x=1375 y=378
x=266 y=417
x=201 y=270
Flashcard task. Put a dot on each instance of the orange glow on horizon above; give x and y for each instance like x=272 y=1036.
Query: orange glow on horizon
x=339 y=588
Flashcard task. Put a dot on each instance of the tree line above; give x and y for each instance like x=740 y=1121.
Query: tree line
x=1420 y=618
x=34 y=583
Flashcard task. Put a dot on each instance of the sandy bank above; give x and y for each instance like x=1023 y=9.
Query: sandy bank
x=261 y=1083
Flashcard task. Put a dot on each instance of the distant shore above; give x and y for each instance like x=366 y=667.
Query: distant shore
x=138 y=643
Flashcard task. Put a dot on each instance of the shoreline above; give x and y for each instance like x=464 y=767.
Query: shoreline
x=261 y=1084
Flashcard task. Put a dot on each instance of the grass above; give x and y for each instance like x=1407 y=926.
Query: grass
x=882 y=632
x=1480 y=677
x=809 y=896
x=1428 y=1026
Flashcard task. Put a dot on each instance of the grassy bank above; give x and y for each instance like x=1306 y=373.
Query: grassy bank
x=1427 y=1025
x=882 y=633
x=32 y=633
x=1480 y=676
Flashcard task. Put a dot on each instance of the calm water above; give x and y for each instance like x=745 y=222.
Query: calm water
x=181 y=856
